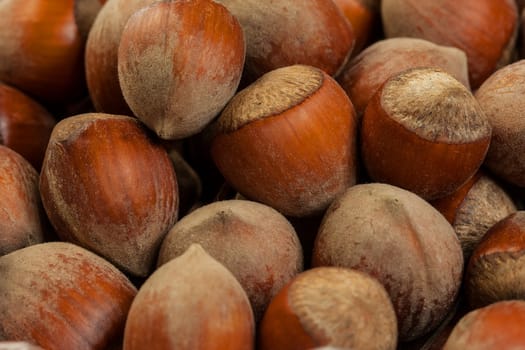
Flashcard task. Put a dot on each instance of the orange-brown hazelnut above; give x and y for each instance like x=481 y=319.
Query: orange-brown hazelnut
x=253 y=241
x=425 y=132
x=288 y=140
x=177 y=82
x=191 y=302
x=60 y=296
x=496 y=326
x=462 y=24
x=109 y=187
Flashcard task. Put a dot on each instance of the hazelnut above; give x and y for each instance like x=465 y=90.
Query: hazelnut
x=474 y=208
x=25 y=125
x=191 y=302
x=109 y=187
x=330 y=306
x=462 y=24
x=101 y=55
x=496 y=269
x=404 y=242
x=41 y=50
x=255 y=242
x=500 y=97
x=496 y=326
x=288 y=141
x=425 y=132
x=288 y=32
x=20 y=208
x=58 y=295
x=366 y=72
x=177 y=82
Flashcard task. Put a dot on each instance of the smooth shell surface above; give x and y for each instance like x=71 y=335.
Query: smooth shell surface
x=61 y=296
x=176 y=83
x=191 y=302
x=255 y=242
x=288 y=140
x=108 y=186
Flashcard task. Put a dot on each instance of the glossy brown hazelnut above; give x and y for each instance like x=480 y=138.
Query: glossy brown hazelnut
x=107 y=185
x=400 y=239
x=60 y=296
x=41 y=50
x=425 y=132
x=253 y=241
x=366 y=72
x=501 y=98
x=191 y=302
x=462 y=24
x=176 y=83
x=496 y=326
x=330 y=306
x=496 y=269
x=474 y=208
x=288 y=32
x=101 y=55
x=25 y=125
x=288 y=141
x=20 y=208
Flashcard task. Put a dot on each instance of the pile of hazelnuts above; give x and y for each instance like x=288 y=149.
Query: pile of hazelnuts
x=262 y=174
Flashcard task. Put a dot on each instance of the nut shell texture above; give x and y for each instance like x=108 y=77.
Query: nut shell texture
x=191 y=302
x=176 y=83
x=462 y=24
x=61 y=296
x=281 y=33
x=425 y=132
x=401 y=240
x=332 y=306
x=496 y=269
x=496 y=326
x=107 y=186
x=288 y=140
x=500 y=96
x=255 y=242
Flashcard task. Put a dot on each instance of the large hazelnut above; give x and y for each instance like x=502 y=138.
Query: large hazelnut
x=60 y=296
x=177 y=82
x=287 y=32
x=255 y=242
x=462 y=24
x=330 y=306
x=288 y=140
x=425 y=132
x=404 y=242
x=108 y=186
x=191 y=302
